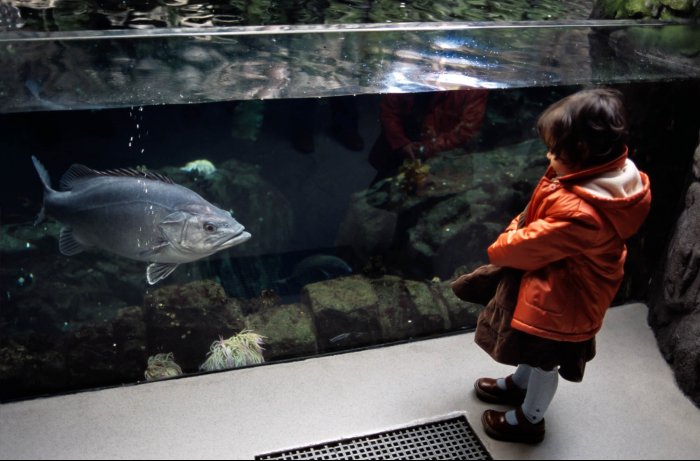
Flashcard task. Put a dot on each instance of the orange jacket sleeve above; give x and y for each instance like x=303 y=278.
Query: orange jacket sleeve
x=513 y=224
x=544 y=241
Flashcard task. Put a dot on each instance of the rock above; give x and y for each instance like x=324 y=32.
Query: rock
x=107 y=353
x=674 y=304
x=696 y=163
x=186 y=319
x=685 y=359
x=682 y=277
x=94 y=354
x=366 y=229
x=645 y=9
x=345 y=311
x=462 y=314
x=431 y=313
x=354 y=311
x=31 y=365
x=679 y=5
x=288 y=330
x=447 y=221
x=130 y=335
x=56 y=291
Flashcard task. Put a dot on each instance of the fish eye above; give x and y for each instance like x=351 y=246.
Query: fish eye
x=209 y=227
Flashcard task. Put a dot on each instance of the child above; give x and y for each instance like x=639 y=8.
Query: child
x=570 y=249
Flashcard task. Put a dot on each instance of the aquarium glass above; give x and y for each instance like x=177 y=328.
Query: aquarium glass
x=277 y=115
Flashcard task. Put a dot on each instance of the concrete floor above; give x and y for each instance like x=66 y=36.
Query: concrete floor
x=628 y=406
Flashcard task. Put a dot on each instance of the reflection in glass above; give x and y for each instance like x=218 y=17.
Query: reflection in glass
x=67 y=15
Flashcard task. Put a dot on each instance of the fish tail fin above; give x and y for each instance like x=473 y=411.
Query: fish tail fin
x=46 y=182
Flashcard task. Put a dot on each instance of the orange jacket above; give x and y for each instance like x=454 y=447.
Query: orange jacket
x=572 y=248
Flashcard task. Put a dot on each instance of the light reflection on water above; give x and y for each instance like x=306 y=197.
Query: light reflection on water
x=71 y=15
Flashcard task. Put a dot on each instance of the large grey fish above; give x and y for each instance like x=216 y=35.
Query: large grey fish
x=140 y=215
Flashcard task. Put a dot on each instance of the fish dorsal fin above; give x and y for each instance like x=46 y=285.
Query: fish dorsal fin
x=74 y=173
x=134 y=173
x=77 y=172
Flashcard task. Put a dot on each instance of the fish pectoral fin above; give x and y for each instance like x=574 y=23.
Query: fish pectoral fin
x=146 y=254
x=155 y=272
x=67 y=243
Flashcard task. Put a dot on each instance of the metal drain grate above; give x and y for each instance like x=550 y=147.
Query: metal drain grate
x=448 y=439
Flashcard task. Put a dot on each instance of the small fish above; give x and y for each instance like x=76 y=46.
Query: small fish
x=321 y=267
x=314 y=268
x=139 y=215
x=345 y=338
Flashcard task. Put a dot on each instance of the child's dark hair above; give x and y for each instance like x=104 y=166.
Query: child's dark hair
x=586 y=128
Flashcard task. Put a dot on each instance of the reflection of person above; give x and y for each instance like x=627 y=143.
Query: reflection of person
x=329 y=56
x=421 y=125
x=344 y=123
x=570 y=247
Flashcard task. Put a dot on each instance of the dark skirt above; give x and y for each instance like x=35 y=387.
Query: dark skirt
x=513 y=347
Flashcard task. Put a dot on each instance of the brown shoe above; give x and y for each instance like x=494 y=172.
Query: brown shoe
x=488 y=391
x=497 y=427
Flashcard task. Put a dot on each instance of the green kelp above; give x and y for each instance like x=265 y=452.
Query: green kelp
x=162 y=366
x=244 y=348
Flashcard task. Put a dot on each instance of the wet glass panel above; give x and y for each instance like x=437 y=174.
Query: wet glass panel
x=351 y=246
x=94 y=70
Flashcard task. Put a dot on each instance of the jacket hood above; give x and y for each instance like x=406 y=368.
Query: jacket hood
x=618 y=190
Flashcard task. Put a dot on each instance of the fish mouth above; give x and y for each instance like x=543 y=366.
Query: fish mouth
x=236 y=239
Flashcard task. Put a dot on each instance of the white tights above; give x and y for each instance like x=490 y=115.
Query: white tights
x=541 y=386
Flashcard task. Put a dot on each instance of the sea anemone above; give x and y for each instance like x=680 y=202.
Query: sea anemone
x=162 y=366
x=202 y=167
x=239 y=350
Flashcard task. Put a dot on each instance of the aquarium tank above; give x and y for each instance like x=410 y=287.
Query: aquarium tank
x=194 y=186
